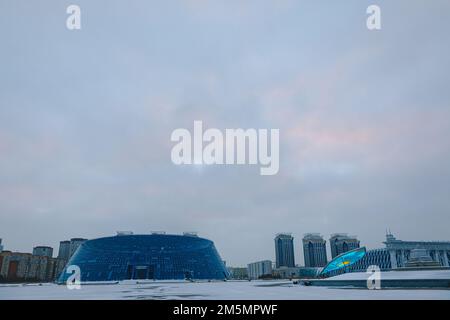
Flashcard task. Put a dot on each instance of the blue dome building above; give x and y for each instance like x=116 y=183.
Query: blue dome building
x=153 y=256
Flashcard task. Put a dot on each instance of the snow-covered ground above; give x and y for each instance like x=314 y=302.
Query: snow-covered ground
x=239 y=290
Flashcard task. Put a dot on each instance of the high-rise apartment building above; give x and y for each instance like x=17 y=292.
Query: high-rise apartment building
x=314 y=250
x=342 y=242
x=284 y=250
x=43 y=251
x=74 y=244
x=68 y=247
x=64 y=250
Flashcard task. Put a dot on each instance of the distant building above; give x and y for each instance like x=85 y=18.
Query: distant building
x=284 y=250
x=287 y=272
x=374 y=257
x=257 y=269
x=43 y=251
x=296 y=273
x=399 y=255
x=400 y=250
x=74 y=244
x=190 y=234
x=314 y=250
x=238 y=273
x=147 y=256
x=306 y=272
x=59 y=268
x=64 y=250
x=68 y=247
x=124 y=233
x=420 y=259
x=25 y=267
x=1 y=246
x=342 y=242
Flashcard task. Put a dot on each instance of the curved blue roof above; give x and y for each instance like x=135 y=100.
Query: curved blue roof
x=344 y=260
x=153 y=256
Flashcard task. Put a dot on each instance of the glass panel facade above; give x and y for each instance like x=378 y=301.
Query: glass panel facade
x=377 y=257
x=155 y=256
x=344 y=260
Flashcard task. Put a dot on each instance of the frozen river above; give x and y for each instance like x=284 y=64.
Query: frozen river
x=234 y=290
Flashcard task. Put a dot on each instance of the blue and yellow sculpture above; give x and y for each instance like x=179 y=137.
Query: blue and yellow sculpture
x=343 y=260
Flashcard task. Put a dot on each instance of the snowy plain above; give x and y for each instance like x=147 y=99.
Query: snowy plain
x=233 y=290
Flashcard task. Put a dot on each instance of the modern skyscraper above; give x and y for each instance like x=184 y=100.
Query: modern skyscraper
x=74 y=244
x=43 y=251
x=64 y=250
x=1 y=246
x=314 y=250
x=342 y=242
x=284 y=250
x=67 y=248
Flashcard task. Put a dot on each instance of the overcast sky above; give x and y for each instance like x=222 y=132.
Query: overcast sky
x=86 y=118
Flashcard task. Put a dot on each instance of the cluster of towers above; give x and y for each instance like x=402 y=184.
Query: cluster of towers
x=314 y=248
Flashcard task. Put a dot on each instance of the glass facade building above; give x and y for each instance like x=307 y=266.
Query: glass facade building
x=375 y=257
x=64 y=250
x=284 y=250
x=314 y=250
x=342 y=242
x=154 y=256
